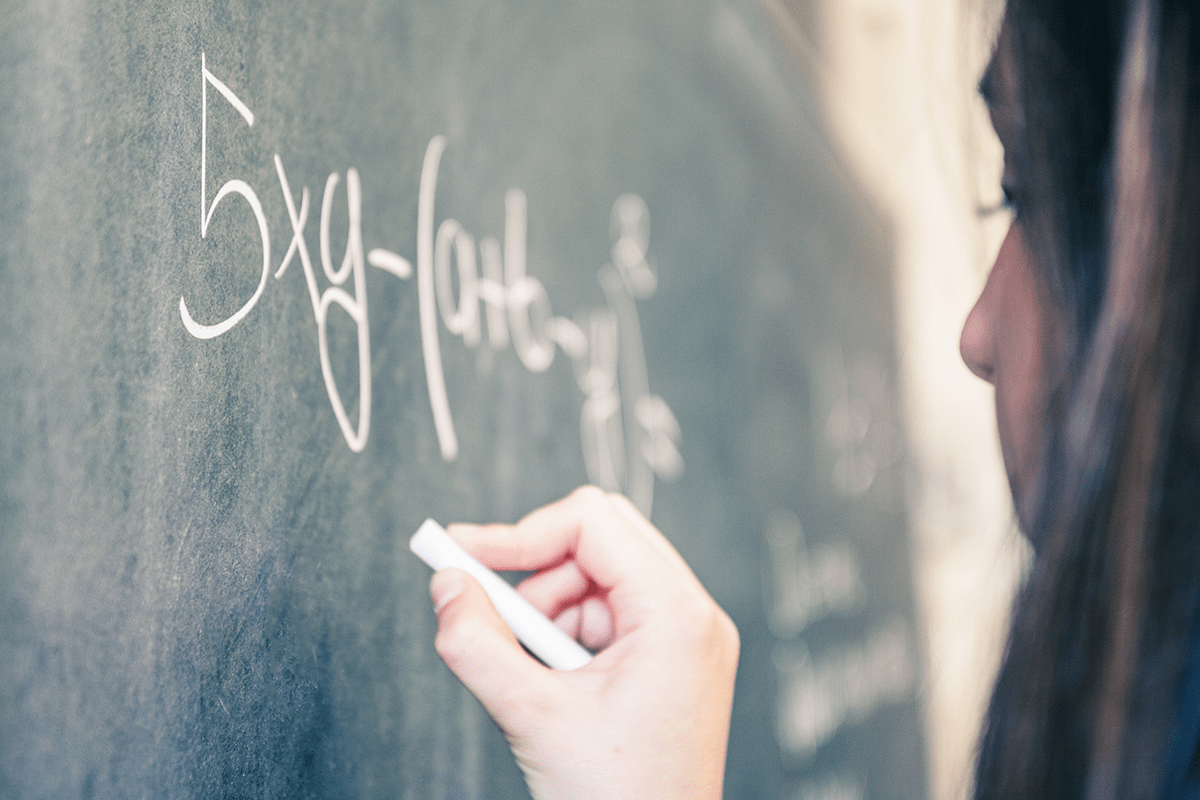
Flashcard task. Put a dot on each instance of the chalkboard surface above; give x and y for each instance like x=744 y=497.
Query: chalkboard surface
x=283 y=279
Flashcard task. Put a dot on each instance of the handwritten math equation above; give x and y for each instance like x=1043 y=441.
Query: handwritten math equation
x=628 y=434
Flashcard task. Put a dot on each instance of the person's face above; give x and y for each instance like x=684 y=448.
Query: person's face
x=1003 y=337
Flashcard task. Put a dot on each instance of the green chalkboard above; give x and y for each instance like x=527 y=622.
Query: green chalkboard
x=283 y=279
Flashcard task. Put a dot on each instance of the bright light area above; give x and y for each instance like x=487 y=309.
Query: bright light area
x=897 y=80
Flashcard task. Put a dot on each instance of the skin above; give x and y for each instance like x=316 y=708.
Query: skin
x=649 y=716
x=1003 y=337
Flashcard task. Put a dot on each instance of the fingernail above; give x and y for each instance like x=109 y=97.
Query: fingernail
x=444 y=587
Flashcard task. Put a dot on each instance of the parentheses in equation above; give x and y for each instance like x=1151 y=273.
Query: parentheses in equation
x=443 y=422
x=235 y=186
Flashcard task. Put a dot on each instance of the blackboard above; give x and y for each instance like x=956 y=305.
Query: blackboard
x=283 y=279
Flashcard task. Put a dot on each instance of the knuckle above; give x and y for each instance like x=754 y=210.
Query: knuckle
x=588 y=490
x=732 y=640
x=588 y=496
x=708 y=629
x=697 y=621
x=455 y=638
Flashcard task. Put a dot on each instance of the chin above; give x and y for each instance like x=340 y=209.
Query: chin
x=1024 y=504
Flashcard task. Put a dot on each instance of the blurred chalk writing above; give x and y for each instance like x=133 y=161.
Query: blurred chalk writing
x=843 y=685
x=832 y=787
x=629 y=435
x=805 y=586
x=855 y=428
x=823 y=689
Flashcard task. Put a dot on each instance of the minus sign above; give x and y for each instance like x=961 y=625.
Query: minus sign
x=391 y=262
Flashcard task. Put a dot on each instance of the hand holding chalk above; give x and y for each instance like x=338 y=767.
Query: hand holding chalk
x=551 y=645
x=649 y=715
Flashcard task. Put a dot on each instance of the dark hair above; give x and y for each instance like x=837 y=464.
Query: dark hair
x=1088 y=693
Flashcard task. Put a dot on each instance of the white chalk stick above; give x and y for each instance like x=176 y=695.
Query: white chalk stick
x=532 y=628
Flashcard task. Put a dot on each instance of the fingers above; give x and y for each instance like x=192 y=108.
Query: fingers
x=552 y=590
x=562 y=593
x=596 y=628
x=590 y=622
x=666 y=672
x=589 y=526
x=481 y=650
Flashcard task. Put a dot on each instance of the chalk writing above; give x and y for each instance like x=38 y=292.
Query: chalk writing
x=854 y=393
x=355 y=306
x=845 y=683
x=230 y=187
x=805 y=585
x=841 y=686
x=628 y=435
x=832 y=787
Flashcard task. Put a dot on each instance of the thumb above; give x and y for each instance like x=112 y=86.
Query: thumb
x=480 y=649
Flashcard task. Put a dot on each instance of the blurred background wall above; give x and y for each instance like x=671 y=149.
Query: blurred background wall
x=897 y=84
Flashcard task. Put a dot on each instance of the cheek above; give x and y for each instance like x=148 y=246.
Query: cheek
x=1018 y=418
x=1019 y=327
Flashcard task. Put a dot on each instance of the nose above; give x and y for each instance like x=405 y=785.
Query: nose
x=976 y=343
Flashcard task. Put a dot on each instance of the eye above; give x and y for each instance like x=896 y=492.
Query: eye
x=1012 y=200
x=1010 y=203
